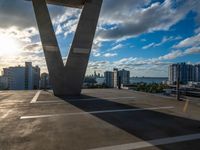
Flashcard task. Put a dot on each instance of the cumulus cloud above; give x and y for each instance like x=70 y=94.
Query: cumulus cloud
x=193 y=50
x=143 y=18
x=172 y=55
x=23 y=35
x=179 y=53
x=66 y=23
x=118 y=21
x=189 y=42
x=134 y=18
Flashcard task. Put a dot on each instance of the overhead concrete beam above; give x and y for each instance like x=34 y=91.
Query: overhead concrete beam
x=68 y=3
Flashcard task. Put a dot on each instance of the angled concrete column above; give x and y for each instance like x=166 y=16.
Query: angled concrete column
x=68 y=79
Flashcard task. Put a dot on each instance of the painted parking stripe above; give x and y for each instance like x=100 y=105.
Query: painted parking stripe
x=45 y=102
x=156 y=142
x=35 y=97
x=95 y=112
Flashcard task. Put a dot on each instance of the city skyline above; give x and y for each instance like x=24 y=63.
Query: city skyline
x=110 y=70
x=143 y=37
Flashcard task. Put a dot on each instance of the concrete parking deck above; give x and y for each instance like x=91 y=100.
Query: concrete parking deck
x=99 y=119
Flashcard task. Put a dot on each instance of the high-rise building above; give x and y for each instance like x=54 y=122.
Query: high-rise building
x=28 y=76
x=109 y=78
x=197 y=73
x=36 y=77
x=45 y=81
x=187 y=72
x=172 y=73
x=3 y=83
x=124 y=76
x=113 y=79
x=16 y=77
x=23 y=78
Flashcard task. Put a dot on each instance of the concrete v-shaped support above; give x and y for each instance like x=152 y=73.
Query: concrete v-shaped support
x=68 y=79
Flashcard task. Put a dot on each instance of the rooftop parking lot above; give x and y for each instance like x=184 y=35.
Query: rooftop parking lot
x=99 y=119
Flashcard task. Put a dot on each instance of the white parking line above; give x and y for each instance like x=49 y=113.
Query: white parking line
x=95 y=112
x=45 y=102
x=35 y=97
x=156 y=142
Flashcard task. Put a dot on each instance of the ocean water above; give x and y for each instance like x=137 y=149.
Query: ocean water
x=148 y=79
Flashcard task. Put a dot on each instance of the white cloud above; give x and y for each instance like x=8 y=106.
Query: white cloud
x=193 y=50
x=66 y=23
x=23 y=35
x=172 y=55
x=141 y=66
x=148 y=46
x=163 y=41
x=28 y=50
x=167 y=39
x=137 y=17
x=189 y=42
x=59 y=30
x=110 y=54
x=118 y=21
x=97 y=54
x=118 y=46
x=96 y=48
x=179 y=53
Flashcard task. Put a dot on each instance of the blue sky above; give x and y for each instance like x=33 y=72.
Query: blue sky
x=143 y=36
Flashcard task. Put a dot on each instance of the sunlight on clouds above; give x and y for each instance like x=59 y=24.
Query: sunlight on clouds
x=120 y=23
x=9 y=46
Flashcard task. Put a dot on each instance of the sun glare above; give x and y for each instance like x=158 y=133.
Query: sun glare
x=8 y=46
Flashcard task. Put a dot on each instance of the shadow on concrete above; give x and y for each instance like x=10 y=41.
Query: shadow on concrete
x=146 y=124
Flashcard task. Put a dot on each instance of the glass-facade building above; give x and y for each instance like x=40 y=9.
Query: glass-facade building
x=187 y=73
